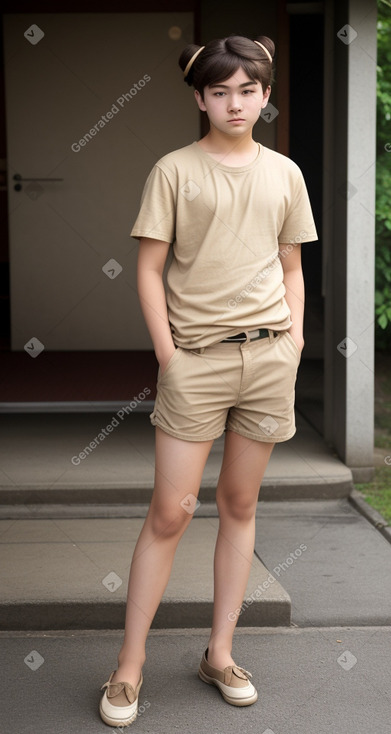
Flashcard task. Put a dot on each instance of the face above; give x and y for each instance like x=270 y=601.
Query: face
x=234 y=106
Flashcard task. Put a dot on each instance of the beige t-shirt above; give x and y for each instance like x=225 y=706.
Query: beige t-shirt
x=225 y=225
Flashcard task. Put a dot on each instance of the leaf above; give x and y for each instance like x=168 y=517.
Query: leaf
x=382 y=321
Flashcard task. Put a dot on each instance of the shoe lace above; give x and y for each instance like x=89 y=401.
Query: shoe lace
x=114 y=689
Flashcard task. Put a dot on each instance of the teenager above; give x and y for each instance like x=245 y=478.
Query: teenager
x=228 y=335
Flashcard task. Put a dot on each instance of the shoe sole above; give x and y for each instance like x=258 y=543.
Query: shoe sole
x=117 y=722
x=233 y=701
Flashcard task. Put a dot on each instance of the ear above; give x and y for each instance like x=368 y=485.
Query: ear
x=266 y=96
x=200 y=101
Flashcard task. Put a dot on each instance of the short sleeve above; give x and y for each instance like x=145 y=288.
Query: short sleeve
x=299 y=225
x=156 y=217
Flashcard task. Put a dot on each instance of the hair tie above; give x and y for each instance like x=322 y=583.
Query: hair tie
x=268 y=54
x=190 y=63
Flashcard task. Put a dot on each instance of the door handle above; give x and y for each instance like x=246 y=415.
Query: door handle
x=19 y=179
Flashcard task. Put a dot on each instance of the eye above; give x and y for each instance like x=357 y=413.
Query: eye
x=217 y=94
x=248 y=91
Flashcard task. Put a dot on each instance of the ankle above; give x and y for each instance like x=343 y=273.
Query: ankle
x=219 y=656
x=128 y=673
x=129 y=668
x=128 y=659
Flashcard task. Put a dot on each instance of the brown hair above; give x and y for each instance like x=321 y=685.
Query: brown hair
x=222 y=57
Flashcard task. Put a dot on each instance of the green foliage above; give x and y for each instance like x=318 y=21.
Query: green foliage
x=378 y=492
x=383 y=178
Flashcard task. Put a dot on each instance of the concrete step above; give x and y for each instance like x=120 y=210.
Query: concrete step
x=73 y=573
x=59 y=458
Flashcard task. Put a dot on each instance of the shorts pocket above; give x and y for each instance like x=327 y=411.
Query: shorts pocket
x=174 y=357
x=291 y=340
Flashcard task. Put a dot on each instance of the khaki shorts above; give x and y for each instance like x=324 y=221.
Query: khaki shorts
x=245 y=387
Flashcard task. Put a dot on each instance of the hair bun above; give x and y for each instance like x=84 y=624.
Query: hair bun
x=268 y=43
x=186 y=56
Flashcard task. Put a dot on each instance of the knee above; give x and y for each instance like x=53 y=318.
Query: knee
x=168 y=522
x=236 y=506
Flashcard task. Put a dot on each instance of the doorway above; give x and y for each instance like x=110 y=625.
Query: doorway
x=86 y=98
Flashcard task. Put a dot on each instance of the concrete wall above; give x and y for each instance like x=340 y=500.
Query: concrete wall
x=349 y=231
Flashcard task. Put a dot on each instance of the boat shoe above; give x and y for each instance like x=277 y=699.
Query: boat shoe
x=232 y=682
x=118 y=706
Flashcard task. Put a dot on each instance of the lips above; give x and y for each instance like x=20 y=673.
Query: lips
x=236 y=119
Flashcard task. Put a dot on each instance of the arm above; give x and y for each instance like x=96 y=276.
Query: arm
x=294 y=284
x=151 y=260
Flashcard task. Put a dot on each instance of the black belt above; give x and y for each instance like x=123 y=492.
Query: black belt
x=254 y=335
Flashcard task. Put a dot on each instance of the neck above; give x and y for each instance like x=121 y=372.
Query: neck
x=221 y=143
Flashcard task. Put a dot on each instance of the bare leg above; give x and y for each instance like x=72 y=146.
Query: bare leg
x=178 y=471
x=243 y=467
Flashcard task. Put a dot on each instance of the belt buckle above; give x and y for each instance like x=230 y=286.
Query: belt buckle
x=255 y=334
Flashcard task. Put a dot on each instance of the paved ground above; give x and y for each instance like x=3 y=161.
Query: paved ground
x=310 y=681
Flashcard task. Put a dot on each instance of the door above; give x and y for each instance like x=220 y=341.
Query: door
x=92 y=101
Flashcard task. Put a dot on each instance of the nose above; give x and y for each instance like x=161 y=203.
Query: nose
x=235 y=103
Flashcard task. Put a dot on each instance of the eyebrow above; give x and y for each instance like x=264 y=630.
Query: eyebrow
x=225 y=86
